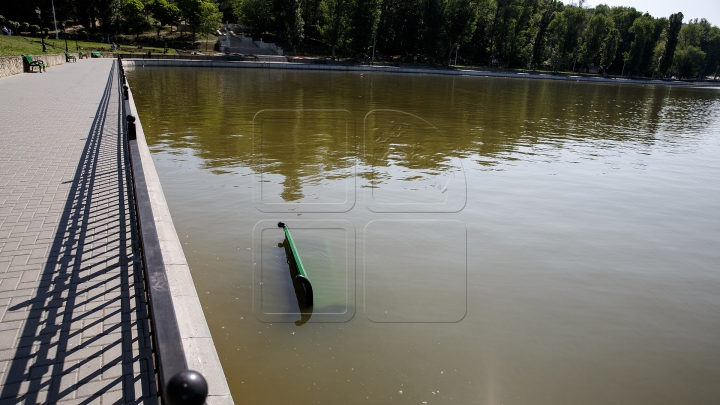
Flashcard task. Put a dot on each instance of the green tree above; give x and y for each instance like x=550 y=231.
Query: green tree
x=609 y=51
x=539 y=29
x=335 y=22
x=709 y=44
x=400 y=26
x=688 y=61
x=712 y=51
x=478 y=49
x=312 y=16
x=461 y=18
x=25 y=27
x=209 y=19
x=14 y=26
x=651 y=59
x=196 y=11
x=91 y=12
x=691 y=59
x=623 y=17
x=164 y=13
x=258 y=14
x=433 y=13
x=511 y=32
x=34 y=29
x=593 y=39
x=132 y=12
x=671 y=40
x=226 y=8
x=691 y=34
x=642 y=29
x=288 y=17
x=364 y=17
x=566 y=30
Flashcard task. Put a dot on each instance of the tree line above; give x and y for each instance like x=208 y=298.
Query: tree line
x=507 y=33
x=543 y=34
x=106 y=17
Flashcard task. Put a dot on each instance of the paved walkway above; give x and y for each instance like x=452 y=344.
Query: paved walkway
x=73 y=319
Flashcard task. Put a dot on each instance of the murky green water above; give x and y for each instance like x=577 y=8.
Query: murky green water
x=470 y=240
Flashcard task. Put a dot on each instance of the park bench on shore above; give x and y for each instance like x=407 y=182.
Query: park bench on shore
x=31 y=64
x=69 y=57
x=95 y=54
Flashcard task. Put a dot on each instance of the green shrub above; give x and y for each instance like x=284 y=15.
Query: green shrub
x=14 y=25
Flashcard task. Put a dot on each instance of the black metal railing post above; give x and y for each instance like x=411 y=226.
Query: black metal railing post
x=178 y=385
x=131 y=131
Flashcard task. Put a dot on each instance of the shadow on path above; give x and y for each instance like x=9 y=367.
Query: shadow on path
x=86 y=333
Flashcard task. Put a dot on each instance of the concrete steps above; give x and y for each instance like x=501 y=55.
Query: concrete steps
x=231 y=42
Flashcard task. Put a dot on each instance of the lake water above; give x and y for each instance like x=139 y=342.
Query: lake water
x=470 y=240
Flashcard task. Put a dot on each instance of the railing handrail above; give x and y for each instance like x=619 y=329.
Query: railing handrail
x=178 y=385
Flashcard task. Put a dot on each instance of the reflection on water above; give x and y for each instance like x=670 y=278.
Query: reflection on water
x=403 y=170
x=470 y=240
x=309 y=149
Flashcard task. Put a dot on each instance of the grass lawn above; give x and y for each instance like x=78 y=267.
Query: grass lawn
x=17 y=45
x=14 y=46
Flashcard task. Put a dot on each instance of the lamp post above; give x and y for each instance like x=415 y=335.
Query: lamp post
x=65 y=35
x=55 y=19
x=77 y=48
x=42 y=36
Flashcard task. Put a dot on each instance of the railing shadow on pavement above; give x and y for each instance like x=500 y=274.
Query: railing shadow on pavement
x=87 y=333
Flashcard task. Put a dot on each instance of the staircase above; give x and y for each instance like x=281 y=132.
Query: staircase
x=231 y=42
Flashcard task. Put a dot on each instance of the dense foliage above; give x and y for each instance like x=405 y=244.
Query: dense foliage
x=112 y=17
x=505 y=33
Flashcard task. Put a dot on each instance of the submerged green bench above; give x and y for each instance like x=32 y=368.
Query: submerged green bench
x=31 y=64
x=301 y=276
x=69 y=57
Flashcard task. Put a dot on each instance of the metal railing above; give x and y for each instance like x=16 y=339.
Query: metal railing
x=178 y=385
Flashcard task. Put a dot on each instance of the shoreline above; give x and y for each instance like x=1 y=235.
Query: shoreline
x=391 y=69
